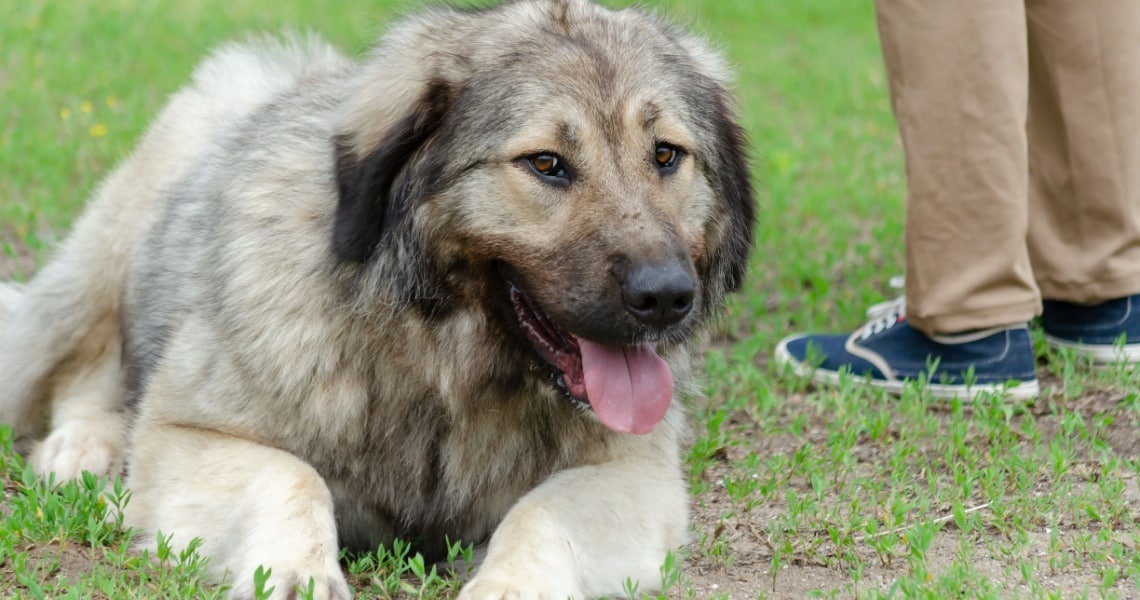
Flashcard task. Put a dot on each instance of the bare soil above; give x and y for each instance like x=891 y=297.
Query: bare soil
x=748 y=574
x=59 y=562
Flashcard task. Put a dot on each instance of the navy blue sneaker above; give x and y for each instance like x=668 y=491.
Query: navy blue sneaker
x=1095 y=330
x=888 y=352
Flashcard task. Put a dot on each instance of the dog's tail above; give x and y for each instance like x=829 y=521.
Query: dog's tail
x=70 y=314
x=45 y=322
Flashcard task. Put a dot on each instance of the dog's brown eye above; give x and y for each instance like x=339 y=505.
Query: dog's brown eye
x=547 y=164
x=667 y=157
x=550 y=168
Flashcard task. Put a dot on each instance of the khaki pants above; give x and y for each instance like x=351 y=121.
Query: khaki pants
x=1020 y=121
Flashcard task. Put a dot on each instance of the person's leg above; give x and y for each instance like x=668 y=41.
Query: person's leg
x=958 y=74
x=1084 y=150
x=959 y=78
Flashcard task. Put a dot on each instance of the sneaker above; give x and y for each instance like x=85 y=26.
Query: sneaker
x=1095 y=330
x=888 y=352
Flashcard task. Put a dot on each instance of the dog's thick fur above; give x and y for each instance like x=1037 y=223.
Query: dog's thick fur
x=289 y=313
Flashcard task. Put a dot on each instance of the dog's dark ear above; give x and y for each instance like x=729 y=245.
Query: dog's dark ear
x=734 y=186
x=372 y=203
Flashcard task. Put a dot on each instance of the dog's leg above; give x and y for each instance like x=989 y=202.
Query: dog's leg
x=583 y=532
x=88 y=427
x=251 y=505
x=69 y=312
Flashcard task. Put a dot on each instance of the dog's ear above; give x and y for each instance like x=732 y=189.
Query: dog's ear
x=710 y=101
x=373 y=201
x=733 y=185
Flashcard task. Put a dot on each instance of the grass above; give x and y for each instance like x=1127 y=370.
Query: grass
x=797 y=491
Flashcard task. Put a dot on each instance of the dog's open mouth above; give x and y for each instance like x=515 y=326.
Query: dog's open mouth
x=628 y=387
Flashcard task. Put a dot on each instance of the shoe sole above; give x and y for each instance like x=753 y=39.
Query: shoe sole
x=1100 y=354
x=1026 y=390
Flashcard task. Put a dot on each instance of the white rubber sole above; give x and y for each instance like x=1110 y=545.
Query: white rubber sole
x=1013 y=391
x=1099 y=353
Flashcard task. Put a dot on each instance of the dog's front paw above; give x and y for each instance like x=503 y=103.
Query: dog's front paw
x=517 y=587
x=80 y=445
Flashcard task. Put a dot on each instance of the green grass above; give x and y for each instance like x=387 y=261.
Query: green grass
x=798 y=491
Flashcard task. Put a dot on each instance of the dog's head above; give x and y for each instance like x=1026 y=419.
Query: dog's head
x=577 y=173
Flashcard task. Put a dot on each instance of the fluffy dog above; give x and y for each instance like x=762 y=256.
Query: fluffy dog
x=449 y=290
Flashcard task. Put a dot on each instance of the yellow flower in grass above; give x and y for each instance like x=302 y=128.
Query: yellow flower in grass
x=64 y=113
x=86 y=106
x=98 y=130
x=112 y=102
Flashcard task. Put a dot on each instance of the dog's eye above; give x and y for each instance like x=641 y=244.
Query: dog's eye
x=547 y=164
x=667 y=157
x=549 y=167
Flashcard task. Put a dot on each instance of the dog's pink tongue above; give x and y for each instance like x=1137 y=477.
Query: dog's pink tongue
x=629 y=388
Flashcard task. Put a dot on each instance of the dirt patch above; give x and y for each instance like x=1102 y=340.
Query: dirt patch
x=732 y=556
x=750 y=573
x=54 y=564
x=1102 y=408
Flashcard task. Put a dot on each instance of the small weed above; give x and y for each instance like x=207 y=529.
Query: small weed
x=260 y=579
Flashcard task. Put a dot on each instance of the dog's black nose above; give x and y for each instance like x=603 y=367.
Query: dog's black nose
x=658 y=295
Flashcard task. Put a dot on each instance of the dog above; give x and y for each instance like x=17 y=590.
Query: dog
x=452 y=290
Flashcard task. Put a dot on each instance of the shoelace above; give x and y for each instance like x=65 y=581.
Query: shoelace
x=896 y=306
x=886 y=314
x=890 y=316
